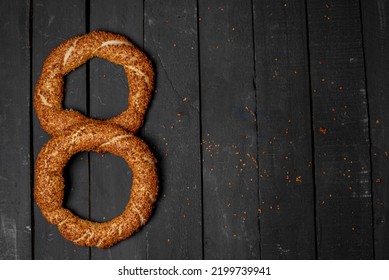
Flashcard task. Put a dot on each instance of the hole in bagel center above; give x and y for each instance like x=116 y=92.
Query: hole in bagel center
x=110 y=180
x=108 y=89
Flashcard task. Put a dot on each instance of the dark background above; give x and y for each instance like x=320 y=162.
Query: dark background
x=269 y=120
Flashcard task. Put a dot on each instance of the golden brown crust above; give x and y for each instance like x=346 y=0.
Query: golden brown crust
x=73 y=132
x=49 y=183
x=76 y=51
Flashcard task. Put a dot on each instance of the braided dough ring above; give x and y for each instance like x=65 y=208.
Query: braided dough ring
x=49 y=183
x=76 y=51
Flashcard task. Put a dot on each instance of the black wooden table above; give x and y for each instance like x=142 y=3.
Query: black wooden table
x=269 y=121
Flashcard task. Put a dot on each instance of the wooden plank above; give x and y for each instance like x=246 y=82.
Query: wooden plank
x=341 y=133
x=172 y=129
x=15 y=177
x=110 y=175
x=53 y=23
x=229 y=137
x=376 y=41
x=284 y=134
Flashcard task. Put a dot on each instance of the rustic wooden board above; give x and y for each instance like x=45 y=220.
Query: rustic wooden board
x=110 y=175
x=268 y=120
x=172 y=129
x=229 y=135
x=15 y=178
x=284 y=131
x=48 y=32
x=376 y=42
x=341 y=132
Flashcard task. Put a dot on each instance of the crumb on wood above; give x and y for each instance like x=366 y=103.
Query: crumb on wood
x=251 y=113
x=328 y=5
x=323 y=130
x=254 y=160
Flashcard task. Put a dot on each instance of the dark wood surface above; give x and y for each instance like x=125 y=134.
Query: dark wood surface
x=269 y=122
x=341 y=131
x=284 y=131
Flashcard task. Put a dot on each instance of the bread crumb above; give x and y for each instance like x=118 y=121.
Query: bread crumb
x=323 y=130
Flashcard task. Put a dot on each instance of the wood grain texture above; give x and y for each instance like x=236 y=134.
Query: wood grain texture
x=110 y=175
x=229 y=136
x=48 y=32
x=341 y=132
x=376 y=41
x=284 y=131
x=268 y=120
x=15 y=177
x=172 y=129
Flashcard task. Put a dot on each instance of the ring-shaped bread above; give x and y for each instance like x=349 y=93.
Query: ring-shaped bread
x=69 y=55
x=49 y=183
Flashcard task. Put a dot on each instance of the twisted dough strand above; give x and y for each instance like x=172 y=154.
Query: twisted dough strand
x=49 y=183
x=73 y=132
x=75 y=52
